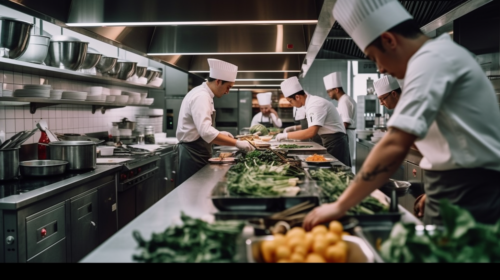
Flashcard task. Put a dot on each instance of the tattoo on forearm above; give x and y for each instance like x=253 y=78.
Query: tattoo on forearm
x=372 y=174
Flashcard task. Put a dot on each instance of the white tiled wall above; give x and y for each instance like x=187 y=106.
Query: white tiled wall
x=60 y=118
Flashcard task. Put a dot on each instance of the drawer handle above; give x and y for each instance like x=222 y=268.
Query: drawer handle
x=92 y=223
x=414 y=172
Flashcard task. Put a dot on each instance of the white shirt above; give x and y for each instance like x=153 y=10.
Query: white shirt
x=323 y=113
x=299 y=113
x=347 y=110
x=450 y=105
x=195 y=116
x=260 y=118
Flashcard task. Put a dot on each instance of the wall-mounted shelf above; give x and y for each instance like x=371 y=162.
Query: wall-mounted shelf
x=13 y=65
x=36 y=103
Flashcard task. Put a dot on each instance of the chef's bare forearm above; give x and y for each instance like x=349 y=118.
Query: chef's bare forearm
x=383 y=161
x=224 y=140
x=304 y=134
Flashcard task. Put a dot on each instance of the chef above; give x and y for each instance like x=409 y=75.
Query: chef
x=195 y=129
x=388 y=90
x=346 y=107
x=299 y=115
x=322 y=119
x=268 y=117
x=447 y=108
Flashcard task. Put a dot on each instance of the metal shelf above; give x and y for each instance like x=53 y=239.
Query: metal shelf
x=13 y=65
x=36 y=103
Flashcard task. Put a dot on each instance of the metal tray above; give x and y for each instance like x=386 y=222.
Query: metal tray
x=358 y=251
x=316 y=148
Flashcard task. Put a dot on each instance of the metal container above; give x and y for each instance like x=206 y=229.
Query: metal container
x=80 y=155
x=152 y=73
x=125 y=124
x=141 y=71
x=113 y=72
x=66 y=53
x=42 y=168
x=127 y=69
x=37 y=50
x=9 y=164
x=91 y=59
x=14 y=37
x=106 y=63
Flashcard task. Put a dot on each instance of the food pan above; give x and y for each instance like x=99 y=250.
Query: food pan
x=41 y=168
x=357 y=252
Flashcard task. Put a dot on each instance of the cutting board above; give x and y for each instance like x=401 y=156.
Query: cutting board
x=112 y=160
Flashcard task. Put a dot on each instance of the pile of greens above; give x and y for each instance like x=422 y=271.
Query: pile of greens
x=292 y=146
x=256 y=158
x=462 y=240
x=333 y=184
x=196 y=241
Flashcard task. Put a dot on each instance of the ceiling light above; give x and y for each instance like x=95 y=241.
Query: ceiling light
x=250 y=71
x=260 y=80
x=222 y=53
x=256 y=85
x=176 y=23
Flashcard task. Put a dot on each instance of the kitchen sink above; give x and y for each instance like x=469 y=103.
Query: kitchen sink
x=373 y=235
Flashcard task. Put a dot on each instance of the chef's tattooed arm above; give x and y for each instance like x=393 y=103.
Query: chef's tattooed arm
x=370 y=175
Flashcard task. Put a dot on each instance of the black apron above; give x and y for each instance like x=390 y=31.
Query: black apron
x=268 y=124
x=336 y=145
x=193 y=156
x=476 y=190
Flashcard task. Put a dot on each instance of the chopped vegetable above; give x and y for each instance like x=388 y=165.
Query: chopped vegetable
x=316 y=157
x=196 y=241
x=292 y=146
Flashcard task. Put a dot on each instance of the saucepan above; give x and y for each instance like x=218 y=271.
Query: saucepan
x=80 y=155
x=42 y=168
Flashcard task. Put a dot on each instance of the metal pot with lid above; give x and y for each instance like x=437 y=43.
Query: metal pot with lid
x=80 y=155
x=125 y=124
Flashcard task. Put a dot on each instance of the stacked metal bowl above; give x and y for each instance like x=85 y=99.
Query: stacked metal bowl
x=66 y=52
x=14 y=37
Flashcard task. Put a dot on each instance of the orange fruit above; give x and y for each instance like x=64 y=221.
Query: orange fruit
x=279 y=239
x=283 y=253
x=335 y=254
x=331 y=238
x=319 y=229
x=309 y=239
x=319 y=246
x=300 y=249
x=297 y=258
x=336 y=227
x=315 y=258
x=268 y=249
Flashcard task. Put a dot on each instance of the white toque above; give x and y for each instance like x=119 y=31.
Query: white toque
x=291 y=86
x=333 y=80
x=385 y=85
x=222 y=70
x=264 y=98
x=365 y=20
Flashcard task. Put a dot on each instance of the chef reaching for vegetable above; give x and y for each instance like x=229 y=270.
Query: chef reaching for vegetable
x=445 y=101
x=322 y=119
x=195 y=130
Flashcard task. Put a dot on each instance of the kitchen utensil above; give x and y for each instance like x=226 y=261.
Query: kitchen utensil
x=9 y=163
x=11 y=142
x=127 y=69
x=80 y=155
x=14 y=37
x=66 y=53
x=37 y=50
x=41 y=168
x=107 y=150
x=125 y=124
x=141 y=71
x=113 y=72
x=106 y=63
x=152 y=73
x=25 y=137
x=91 y=59
x=42 y=125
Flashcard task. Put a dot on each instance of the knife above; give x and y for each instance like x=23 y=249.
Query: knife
x=12 y=140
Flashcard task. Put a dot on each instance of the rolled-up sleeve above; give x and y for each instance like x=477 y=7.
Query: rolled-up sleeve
x=346 y=111
x=276 y=121
x=428 y=82
x=202 y=110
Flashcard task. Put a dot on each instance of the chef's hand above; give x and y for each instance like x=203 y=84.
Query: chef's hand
x=289 y=129
x=244 y=145
x=420 y=206
x=281 y=136
x=226 y=133
x=322 y=214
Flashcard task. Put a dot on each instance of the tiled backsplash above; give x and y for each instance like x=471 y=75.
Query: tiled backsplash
x=60 y=118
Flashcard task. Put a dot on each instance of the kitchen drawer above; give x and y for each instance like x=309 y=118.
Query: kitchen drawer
x=84 y=225
x=44 y=229
x=54 y=254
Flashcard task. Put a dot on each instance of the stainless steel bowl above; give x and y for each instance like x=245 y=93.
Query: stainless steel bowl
x=127 y=69
x=81 y=155
x=41 y=168
x=91 y=59
x=152 y=73
x=106 y=63
x=66 y=53
x=37 y=50
x=9 y=163
x=141 y=71
x=14 y=37
x=114 y=71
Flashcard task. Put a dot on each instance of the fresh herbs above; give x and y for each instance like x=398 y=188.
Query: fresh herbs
x=463 y=240
x=333 y=184
x=292 y=146
x=196 y=241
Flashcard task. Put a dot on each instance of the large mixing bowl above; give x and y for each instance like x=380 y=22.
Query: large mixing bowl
x=37 y=50
x=113 y=72
x=127 y=69
x=152 y=73
x=14 y=37
x=91 y=59
x=141 y=71
x=106 y=63
x=66 y=53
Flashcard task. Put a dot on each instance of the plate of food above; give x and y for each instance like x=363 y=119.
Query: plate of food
x=318 y=159
x=221 y=160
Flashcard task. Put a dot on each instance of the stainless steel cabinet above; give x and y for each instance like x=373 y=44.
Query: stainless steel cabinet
x=108 y=217
x=84 y=224
x=167 y=174
x=146 y=193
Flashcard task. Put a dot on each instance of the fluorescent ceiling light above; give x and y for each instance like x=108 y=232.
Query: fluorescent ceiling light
x=256 y=85
x=260 y=80
x=258 y=71
x=222 y=53
x=176 y=23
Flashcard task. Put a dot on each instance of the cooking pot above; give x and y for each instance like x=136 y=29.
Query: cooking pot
x=80 y=155
x=41 y=168
x=77 y=137
x=9 y=163
x=125 y=124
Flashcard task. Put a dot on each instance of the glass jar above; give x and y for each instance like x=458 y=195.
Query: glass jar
x=149 y=135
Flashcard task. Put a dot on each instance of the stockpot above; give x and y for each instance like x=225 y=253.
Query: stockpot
x=80 y=155
x=9 y=163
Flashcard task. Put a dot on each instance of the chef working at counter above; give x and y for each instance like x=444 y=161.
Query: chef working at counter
x=268 y=117
x=322 y=119
x=299 y=115
x=346 y=107
x=447 y=106
x=195 y=130
x=388 y=91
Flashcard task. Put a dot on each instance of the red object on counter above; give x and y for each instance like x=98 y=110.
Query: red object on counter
x=43 y=232
x=42 y=150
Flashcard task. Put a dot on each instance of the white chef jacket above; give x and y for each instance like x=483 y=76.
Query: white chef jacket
x=347 y=110
x=259 y=117
x=450 y=105
x=323 y=113
x=195 y=116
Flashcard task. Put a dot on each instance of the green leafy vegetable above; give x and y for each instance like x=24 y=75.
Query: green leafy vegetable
x=196 y=241
x=292 y=146
x=259 y=128
x=462 y=240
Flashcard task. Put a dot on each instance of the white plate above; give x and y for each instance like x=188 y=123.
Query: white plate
x=43 y=87
x=328 y=160
x=75 y=95
x=31 y=93
x=218 y=160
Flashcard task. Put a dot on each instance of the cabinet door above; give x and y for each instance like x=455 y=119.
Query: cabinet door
x=161 y=182
x=84 y=225
x=108 y=224
x=145 y=194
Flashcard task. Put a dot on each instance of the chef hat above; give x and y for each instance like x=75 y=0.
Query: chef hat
x=264 y=98
x=401 y=83
x=385 y=85
x=365 y=20
x=222 y=70
x=334 y=80
x=291 y=86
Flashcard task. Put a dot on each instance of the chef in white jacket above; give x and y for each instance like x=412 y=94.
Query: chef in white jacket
x=267 y=116
x=195 y=129
x=322 y=119
x=346 y=107
x=447 y=108
x=388 y=91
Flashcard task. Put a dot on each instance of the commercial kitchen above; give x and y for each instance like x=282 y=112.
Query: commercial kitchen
x=104 y=158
